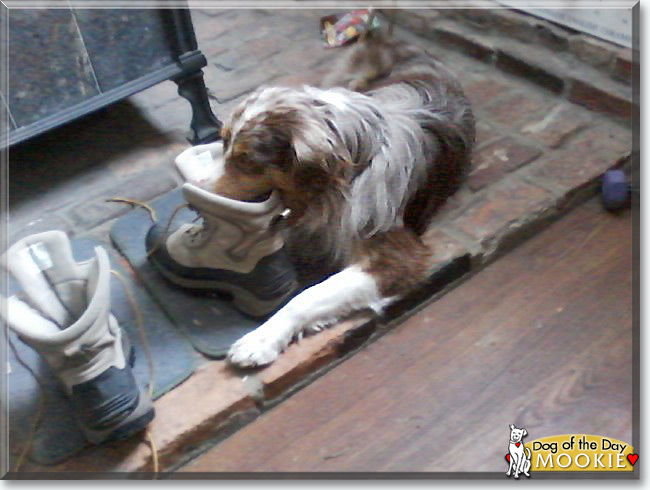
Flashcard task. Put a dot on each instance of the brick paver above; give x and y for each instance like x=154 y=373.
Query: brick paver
x=534 y=149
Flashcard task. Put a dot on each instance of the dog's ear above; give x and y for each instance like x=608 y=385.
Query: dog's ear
x=512 y=427
x=315 y=162
x=525 y=433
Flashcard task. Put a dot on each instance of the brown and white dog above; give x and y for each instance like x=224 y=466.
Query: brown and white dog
x=362 y=174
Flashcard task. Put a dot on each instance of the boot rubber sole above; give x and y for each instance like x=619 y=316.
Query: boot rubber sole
x=273 y=279
x=243 y=300
x=137 y=420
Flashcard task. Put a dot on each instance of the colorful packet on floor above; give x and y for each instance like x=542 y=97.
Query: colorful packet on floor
x=342 y=29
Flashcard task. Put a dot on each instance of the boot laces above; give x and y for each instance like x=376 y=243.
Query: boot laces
x=198 y=231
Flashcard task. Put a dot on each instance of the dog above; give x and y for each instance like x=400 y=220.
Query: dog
x=362 y=168
x=519 y=462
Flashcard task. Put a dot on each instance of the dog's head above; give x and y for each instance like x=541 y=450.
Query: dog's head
x=517 y=435
x=276 y=139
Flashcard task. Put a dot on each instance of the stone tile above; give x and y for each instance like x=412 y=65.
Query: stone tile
x=497 y=159
x=109 y=34
x=50 y=70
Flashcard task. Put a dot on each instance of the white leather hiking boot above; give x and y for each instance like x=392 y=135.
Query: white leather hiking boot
x=63 y=313
x=233 y=249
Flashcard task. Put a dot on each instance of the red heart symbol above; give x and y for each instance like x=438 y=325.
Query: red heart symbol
x=632 y=458
x=517 y=444
x=508 y=458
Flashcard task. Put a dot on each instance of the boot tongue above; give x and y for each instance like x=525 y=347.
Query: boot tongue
x=201 y=165
x=39 y=263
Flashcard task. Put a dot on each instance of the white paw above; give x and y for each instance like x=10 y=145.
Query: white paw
x=255 y=349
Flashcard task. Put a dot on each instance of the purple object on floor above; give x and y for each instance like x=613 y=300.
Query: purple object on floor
x=615 y=190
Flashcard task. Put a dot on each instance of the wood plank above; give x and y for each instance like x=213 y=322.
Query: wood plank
x=542 y=339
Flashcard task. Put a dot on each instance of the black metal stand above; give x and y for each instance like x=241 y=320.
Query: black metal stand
x=205 y=126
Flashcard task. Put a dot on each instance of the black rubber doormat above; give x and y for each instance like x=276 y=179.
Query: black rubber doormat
x=57 y=436
x=211 y=323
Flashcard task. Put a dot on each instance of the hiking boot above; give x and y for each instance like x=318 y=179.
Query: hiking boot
x=63 y=313
x=233 y=249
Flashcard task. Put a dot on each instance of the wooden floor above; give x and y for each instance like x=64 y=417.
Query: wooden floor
x=542 y=339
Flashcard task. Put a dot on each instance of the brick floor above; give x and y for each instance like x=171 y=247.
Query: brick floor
x=535 y=152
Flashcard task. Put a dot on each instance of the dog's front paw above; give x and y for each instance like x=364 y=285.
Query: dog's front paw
x=254 y=349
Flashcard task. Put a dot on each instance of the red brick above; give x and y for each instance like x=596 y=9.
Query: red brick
x=296 y=80
x=516 y=25
x=557 y=125
x=553 y=37
x=519 y=108
x=509 y=206
x=416 y=20
x=606 y=136
x=569 y=174
x=444 y=246
x=484 y=133
x=228 y=85
x=458 y=40
x=306 y=55
x=584 y=161
x=591 y=50
x=601 y=99
x=307 y=356
x=622 y=68
x=454 y=205
x=97 y=209
x=250 y=52
x=529 y=69
x=481 y=92
x=481 y=18
x=497 y=159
